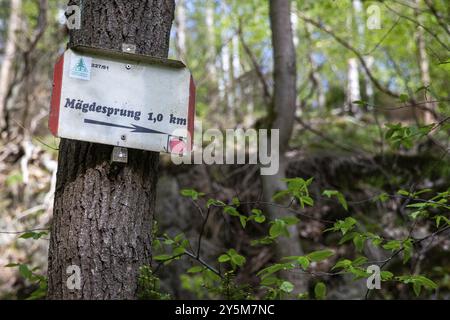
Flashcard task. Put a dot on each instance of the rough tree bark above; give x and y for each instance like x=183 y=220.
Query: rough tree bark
x=103 y=212
x=283 y=115
x=10 y=51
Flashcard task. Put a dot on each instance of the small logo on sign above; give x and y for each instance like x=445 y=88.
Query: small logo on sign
x=80 y=67
x=177 y=145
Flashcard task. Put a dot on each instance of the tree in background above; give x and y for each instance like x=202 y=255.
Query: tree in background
x=8 y=59
x=282 y=117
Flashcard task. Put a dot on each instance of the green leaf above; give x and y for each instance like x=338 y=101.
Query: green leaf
x=232 y=211
x=286 y=286
x=374 y=238
x=419 y=205
x=419 y=213
x=360 y=102
x=25 y=271
x=278 y=228
x=422 y=191
x=386 y=275
x=11 y=265
x=306 y=200
x=27 y=235
x=191 y=193
x=178 y=251
x=343 y=225
x=269 y=281
x=320 y=255
x=427 y=282
x=275 y=268
x=215 y=203
x=347 y=237
x=298 y=189
x=418 y=281
x=243 y=220
x=257 y=212
x=178 y=237
x=233 y=257
x=439 y=218
x=421 y=88
x=358 y=241
x=32 y=234
x=320 y=291
x=169 y=242
x=280 y=194
x=338 y=195
x=263 y=241
x=290 y=220
x=212 y=276
x=392 y=245
x=403 y=97
x=417 y=287
x=162 y=257
x=407 y=250
x=343 y=264
x=38 y=294
x=224 y=258
x=259 y=219
x=358 y=272
x=195 y=269
x=383 y=197
x=257 y=216
x=304 y=262
x=238 y=260
x=359 y=261
x=303 y=296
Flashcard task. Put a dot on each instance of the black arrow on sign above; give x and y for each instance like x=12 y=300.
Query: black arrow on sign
x=134 y=128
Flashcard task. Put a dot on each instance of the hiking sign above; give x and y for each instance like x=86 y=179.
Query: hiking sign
x=123 y=99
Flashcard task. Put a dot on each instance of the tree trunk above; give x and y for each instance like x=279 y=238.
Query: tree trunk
x=353 y=91
x=369 y=87
x=103 y=212
x=353 y=88
x=427 y=115
x=284 y=105
x=180 y=20
x=10 y=52
x=285 y=73
x=315 y=75
x=212 y=68
x=210 y=42
x=225 y=92
x=235 y=81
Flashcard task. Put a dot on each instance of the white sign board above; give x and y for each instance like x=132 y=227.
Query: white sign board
x=124 y=100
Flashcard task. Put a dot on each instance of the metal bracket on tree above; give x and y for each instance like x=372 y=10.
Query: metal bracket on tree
x=120 y=154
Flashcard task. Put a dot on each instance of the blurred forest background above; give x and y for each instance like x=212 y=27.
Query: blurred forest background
x=371 y=119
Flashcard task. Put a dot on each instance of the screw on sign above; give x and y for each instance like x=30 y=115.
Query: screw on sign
x=123 y=99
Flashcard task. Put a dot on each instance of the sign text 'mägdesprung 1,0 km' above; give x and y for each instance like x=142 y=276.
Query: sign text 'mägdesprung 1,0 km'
x=94 y=107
